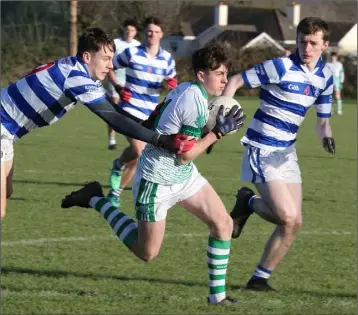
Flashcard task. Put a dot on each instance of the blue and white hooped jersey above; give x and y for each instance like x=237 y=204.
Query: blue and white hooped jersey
x=144 y=76
x=45 y=94
x=288 y=89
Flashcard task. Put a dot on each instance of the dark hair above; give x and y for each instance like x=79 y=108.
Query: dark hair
x=312 y=25
x=92 y=40
x=210 y=57
x=130 y=22
x=334 y=54
x=153 y=20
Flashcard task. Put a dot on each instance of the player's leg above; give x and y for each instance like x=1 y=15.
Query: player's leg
x=123 y=169
x=337 y=95
x=143 y=239
x=277 y=194
x=208 y=207
x=7 y=169
x=112 y=143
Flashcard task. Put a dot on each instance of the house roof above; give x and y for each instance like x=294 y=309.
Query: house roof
x=338 y=30
x=331 y=11
x=265 y=20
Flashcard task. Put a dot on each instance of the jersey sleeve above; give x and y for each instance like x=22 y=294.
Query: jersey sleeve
x=323 y=103
x=270 y=71
x=122 y=60
x=171 y=72
x=193 y=114
x=83 y=89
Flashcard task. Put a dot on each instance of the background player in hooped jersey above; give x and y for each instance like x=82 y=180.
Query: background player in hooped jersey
x=129 y=30
x=146 y=66
x=44 y=95
x=338 y=80
x=289 y=86
x=163 y=180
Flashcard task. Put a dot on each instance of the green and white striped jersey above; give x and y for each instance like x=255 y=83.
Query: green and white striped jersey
x=184 y=110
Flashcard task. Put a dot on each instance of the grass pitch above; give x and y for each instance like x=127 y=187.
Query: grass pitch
x=57 y=261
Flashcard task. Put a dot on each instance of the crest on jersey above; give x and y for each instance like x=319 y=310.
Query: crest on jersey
x=150 y=69
x=306 y=90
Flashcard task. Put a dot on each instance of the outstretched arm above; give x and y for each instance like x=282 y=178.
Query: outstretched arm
x=128 y=127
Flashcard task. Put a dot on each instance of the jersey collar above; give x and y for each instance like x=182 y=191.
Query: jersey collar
x=144 y=48
x=202 y=90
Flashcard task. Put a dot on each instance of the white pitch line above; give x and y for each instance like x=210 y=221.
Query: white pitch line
x=40 y=241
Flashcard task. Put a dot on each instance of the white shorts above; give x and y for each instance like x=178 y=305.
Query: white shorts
x=111 y=91
x=152 y=201
x=260 y=166
x=7 y=150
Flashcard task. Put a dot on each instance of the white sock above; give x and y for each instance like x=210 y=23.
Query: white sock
x=112 y=140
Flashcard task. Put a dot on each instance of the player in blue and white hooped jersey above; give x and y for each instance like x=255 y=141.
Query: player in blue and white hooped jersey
x=289 y=87
x=44 y=95
x=147 y=66
x=129 y=30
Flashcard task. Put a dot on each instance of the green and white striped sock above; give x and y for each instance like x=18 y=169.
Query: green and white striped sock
x=122 y=225
x=218 y=258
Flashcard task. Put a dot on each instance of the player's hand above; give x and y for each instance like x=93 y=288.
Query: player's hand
x=172 y=83
x=233 y=121
x=124 y=94
x=149 y=123
x=329 y=145
x=178 y=143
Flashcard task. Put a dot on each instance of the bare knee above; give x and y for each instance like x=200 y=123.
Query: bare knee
x=291 y=222
x=149 y=255
x=137 y=151
x=3 y=212
x=222 y=227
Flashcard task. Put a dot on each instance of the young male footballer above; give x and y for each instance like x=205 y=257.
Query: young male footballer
x=44 y=95
x=163 y=179
x=289 y=87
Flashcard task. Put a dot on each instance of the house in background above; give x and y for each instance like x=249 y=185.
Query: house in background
x=250 y=26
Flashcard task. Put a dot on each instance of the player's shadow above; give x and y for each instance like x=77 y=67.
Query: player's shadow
x=59 y=274
x=38 y=182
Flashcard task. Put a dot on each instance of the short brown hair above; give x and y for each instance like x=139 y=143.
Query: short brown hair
x=92 y=40
x=153 y=20
x=312 y=25
x=210 y=57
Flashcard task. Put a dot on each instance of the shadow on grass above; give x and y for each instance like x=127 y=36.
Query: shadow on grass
x=58 y=274
x=38 y=182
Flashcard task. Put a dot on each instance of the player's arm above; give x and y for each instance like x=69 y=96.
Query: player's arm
x=224 y=124
x=170 y=77
x=323 y=106
x=120 y=61
x=268 y=72
x=128 y=127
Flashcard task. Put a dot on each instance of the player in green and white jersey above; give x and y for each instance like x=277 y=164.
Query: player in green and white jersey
x=163 y=180
x=338 y=79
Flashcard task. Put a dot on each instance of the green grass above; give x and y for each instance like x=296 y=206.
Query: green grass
x=67 y=261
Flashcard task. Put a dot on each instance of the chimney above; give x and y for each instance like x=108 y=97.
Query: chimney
x=221 y=14
x=294 y=13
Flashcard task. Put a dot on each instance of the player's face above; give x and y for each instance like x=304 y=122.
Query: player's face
x=129 y=33
x=214 y=81
x=334 y=58
x=153 y=34
x=310 y=47
x=99 y=63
